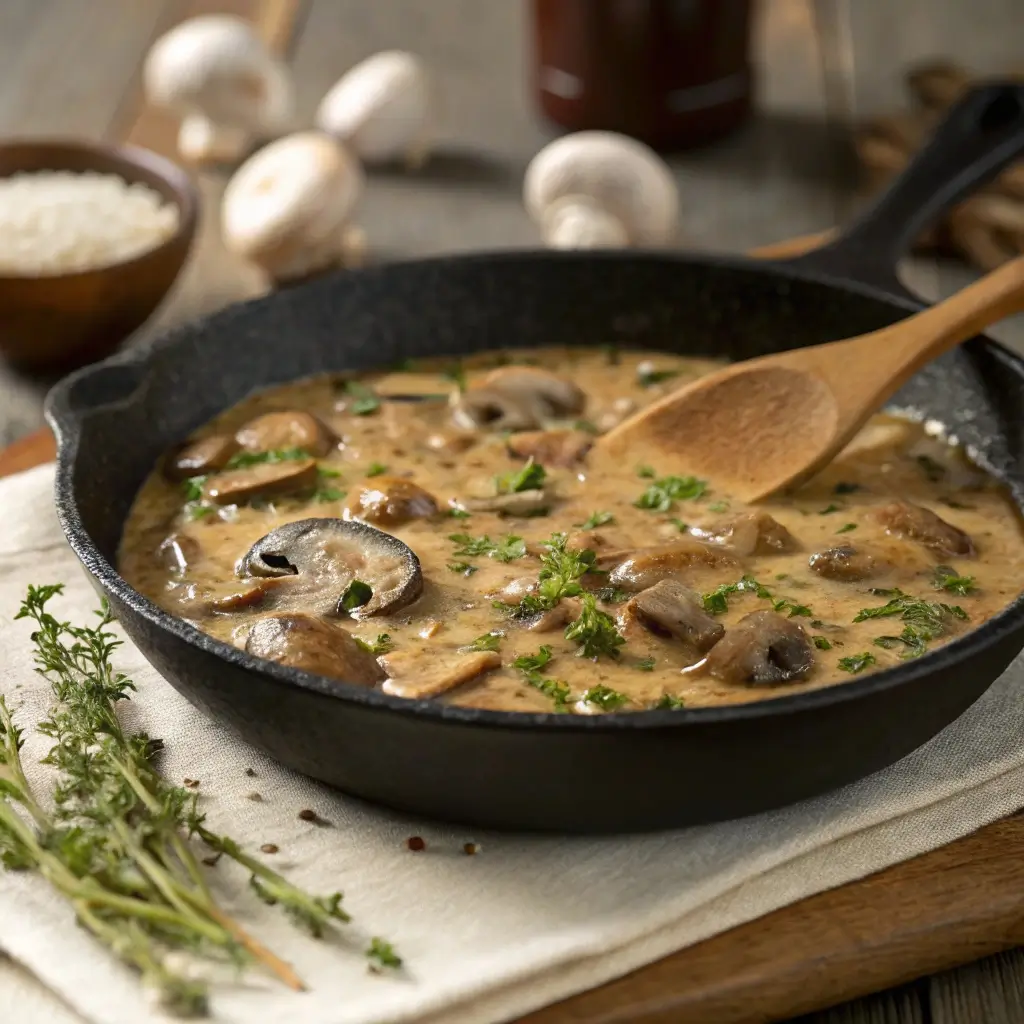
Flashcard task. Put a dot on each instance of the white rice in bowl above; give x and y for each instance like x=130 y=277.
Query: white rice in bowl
x=60 y=222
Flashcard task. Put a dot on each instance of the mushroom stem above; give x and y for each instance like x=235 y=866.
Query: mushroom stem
x=202 y=141
x=577 y=222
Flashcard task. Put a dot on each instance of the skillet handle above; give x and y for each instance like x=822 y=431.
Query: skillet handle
x=981 y=135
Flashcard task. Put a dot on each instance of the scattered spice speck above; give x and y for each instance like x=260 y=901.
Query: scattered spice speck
x=416 y=843
x=211 y=862
x=251 y=772
x=191 y=783
x=470 y=849
x=254 y=796
x=268 y=848
x=308 y=814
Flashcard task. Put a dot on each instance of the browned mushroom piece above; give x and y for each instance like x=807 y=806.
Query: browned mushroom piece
x=426 y=672
x=551 y=447
x=845 y=563
x=179 y=551
x=684 y=560
x=453 y=442
x=903 y=519
x=763 y=648
x=312 y=645
x=324 y=558
x=515 y=590
x=265 y=480
x=476 y=408
x=290 y=429
x=198 y=458
x=224 y=596
x=391 y=501
x=549 y=395
x=671 y=608
x=750 y=533
x=518 y=503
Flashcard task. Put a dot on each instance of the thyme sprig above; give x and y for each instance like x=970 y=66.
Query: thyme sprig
x=116 y=842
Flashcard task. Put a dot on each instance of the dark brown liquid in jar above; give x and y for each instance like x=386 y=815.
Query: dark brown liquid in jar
x=672 y=73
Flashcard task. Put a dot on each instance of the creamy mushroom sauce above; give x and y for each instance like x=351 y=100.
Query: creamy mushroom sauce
x=936 y=577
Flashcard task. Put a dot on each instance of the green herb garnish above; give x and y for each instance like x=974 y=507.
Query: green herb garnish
x=486 y=642
x=612 y=595
x=381 y=644
x=559 y=574
x=596 y=519
x=193 y=488
x=458 y=513
x=718 y=506
x=679 y=524
x=457 y=375
x=604 y=697
x=530 y=665
x=847 y=528
x=533 y=662
x=357 y=593
x=829 y=509
x=506 y=550
x=198 y=510
x=376 y=469
x=668 y=702
x=383 y=954
x=856 y=662
x=647 y=472
x=822 y=643
x=947 y=578
x=586 y=427
x=242 y=460
x=462 y=568
x=647 y=377
x=328 y=494
x=645 y=664
x=794 y=609
x=923 y=621
x=661 y=495
x=594 y=630
x=530 y=478
x=364 y=400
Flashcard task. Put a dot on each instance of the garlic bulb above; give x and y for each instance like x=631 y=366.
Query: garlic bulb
x=288 y=207
x=382 y=109
x=592 y=189
x=218 y=74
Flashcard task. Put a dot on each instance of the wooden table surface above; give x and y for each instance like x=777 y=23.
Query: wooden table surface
x=69 y=67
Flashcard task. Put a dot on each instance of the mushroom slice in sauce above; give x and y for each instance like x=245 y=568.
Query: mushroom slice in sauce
x=752 y=533
x=518 y=503
x=198 y=458
x=670 y=607
x=266 y=480
x=682 y=560
x=762 y=648
x=312 y=645
x=290 y=429
x=549 y=394
x=496 y=410
x=224 y=596
x=845 y=563
x=179 y=551
x=391 y=501
x=551 y=447
x=426 y=672
x=326 y=556
x=903 y=519
x=515 y=590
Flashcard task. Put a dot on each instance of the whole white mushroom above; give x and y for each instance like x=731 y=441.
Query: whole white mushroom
x=217 y=73
x=288 y=208
x=599 y=189
x=382 y=109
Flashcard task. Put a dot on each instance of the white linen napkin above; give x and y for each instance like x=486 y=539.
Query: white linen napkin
x=526 y=921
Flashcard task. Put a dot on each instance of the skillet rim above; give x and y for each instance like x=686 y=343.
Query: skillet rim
x=65 y=424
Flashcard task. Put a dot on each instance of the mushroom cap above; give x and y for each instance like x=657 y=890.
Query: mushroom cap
x=380 y=108
x=218 y=66
x=325 y=556
x=623 y=177
x=294 y=195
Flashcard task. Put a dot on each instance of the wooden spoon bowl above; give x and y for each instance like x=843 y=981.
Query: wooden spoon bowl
x=56 y=322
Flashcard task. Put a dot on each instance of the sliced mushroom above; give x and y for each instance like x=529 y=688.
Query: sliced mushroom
x=488 y=407
x=451 y=443
x=197 y=458
x=551 y=447
x=762 y=648
x=291 y=429
x=548 y=394
x=518 y=503
x=391 y=501
x=515 y=590
x=567 y=609
x=426 y=672
x=670 y=607
x=751 y=533
x=224 y=596
x=266 y=480
x=179 y=551
x=903 y=519
x=684 y=560
x=326 y=556
x=845 y=563
x=307 y=643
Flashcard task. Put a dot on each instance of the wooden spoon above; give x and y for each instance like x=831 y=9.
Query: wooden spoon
x=769 y=423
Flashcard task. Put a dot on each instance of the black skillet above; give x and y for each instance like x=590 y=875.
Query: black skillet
x=612 y=773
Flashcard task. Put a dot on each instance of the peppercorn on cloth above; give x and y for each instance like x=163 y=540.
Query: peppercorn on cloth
x=520 y=924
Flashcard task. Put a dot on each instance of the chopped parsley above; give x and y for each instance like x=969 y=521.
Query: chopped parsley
x=364 y=401
x=357 y=593
x=794 y=609
x=328 y=494
x=533 y=662
x=844 y=487
x=829 y=509
x=932 y=469
x=596 y=519
x=197 y=510
x=193 y=488
x=604 y=697
x=530 y=478
x=668 y=702
x=679 y=524
x=647 y=472
x=947 y=578
x=485 y=642
x=645 y=664
x=718 y=506
x=463 y=568
x=856 y=662
x=717 y=601
x=383 y=954
x=530 y=665
x=456 y=374
x=506 y=550
x=376 y=469
x=242 y=460
x=559 y=575
x=662 y=494
x=612 y=595
x=380 y=645
x=594 y=630
x=822 y=643
x=646 y=375
x=847 y=528
x=458 y=513
x=923 y=621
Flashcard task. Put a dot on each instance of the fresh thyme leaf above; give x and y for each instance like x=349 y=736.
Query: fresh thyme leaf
x=947 y=578
x=646 y=375
x=604 y=697
x=829 y=509
x=383 y=954
x=364 y=400
x=646 y=471
x=242 y=460
x=530 y=478
x=668 y=702
x=645 y=664
x=381 y=644
x=594 y=630
x=456 y=374
x=847 y=528
x=193 y=488
x=458 y=513
x=856 y=662
x=376 y=469
x=679 y=524
x=464 y=568
x=932 y=469
x=845 y=488
x=485 y=642
x=357 y=593
x=662 y=494
x=596 y=519
x=822 y=643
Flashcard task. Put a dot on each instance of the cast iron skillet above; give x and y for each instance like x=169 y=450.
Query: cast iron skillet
x=545 y=771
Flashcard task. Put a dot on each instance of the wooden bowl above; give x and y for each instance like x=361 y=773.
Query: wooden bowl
x=57 y=322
